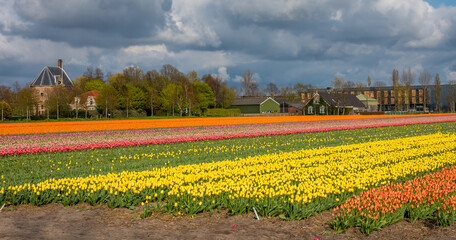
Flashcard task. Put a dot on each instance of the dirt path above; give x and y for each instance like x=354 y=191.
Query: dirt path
x=85 y=222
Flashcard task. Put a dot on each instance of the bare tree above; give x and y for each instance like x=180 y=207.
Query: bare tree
x=380 y=97
x=272 y=89
x=170 y=73
x=425 y=79
x=249 y=83
x=301 y=89
x=88 y=73
x=133 y=75
x=408 y=78
x=338 y=83
x=451 y=95
x=98 y=74
x=349 y=84
x=438 y=89
x=288 y=93
x=396 y=87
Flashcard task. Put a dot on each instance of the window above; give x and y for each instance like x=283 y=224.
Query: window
x=42 y=107
x=317 y=99
x=58 y=79
x=310 y=110
x=42 y=94
x=91 y=102
x=322 y=109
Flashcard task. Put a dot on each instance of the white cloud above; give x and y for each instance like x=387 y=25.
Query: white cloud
x=308 y=41
x=237 y=79
x=451 y=76
x=41 y=51
x=223 y=74
x=337 y=16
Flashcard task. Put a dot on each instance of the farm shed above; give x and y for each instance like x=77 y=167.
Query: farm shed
x=256 y=105
x=369 y=102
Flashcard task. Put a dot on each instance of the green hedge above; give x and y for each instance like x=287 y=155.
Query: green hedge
x=221 y=112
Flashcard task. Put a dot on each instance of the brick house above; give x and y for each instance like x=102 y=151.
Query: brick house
x=47 y=79
x=85 y=101
x=330 y=103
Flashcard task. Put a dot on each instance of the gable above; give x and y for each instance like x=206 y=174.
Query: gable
x=49 y=76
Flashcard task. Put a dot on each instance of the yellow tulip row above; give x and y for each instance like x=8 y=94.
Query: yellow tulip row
x=297 y=176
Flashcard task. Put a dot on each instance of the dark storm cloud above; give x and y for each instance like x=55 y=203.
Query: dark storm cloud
x=91 y=23
x=281 y=41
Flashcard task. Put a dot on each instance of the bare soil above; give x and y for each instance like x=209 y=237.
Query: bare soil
x=82 y=221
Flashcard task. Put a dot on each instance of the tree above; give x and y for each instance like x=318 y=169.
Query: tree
x=15 y=92
x=155 y=80
x=223 y=95
x=408 y=78
x=288 y=93
x=170 y=73
x=59 y=99
x=369 y=81
x=75 y=95
x=425 y=79
x=349 y=84
x=227 y=96
x=82 y=104
x=272 y=89
x=451 y=95
x=205 y=96
x=438 y=90
x=107 y=100
x=188 y=94
x=381 y=97
x=396 y=87
x=94 y=84
x=6 y=96
x=192 y=76
x=153 y=99
x=98 y=74
x=249 y=83
x=133 y=75
x=300 y=88
x=138 y=99
x=338 y=83
x=124 y=91
x=91 y=74
x=172 y=96
x=117 y=81
x=88 y=74
x=6 y=110
x=27 y=100
x=80 y=82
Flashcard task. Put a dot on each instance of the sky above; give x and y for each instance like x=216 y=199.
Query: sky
x=282 y=42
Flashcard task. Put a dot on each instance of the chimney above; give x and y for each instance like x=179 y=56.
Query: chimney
x=60 y=63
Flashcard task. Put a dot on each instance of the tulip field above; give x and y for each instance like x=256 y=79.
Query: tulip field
x=370 y=171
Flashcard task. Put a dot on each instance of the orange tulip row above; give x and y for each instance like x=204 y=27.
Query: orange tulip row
x=56 y=127
x=427 y=197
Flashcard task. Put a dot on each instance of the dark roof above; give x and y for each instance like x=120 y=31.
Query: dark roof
x=298 y=105
x=340 y=99
x=49 y=76
x=249 y=101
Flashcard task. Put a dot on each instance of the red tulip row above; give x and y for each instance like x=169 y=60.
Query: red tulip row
x=432 y=196
x=199 y=138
